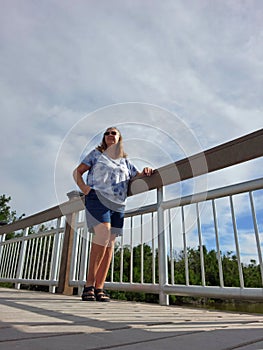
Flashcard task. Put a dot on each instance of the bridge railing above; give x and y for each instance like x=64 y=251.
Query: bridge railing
x=52 y=247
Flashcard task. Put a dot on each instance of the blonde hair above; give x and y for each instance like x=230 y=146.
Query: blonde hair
x=119 y=149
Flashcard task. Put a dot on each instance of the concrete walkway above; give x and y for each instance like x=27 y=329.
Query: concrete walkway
x=35 y=320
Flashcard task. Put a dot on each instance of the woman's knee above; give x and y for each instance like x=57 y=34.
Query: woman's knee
x=102 y=234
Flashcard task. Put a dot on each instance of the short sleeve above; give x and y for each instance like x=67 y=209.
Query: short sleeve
x=133 y=170
x=90 y=159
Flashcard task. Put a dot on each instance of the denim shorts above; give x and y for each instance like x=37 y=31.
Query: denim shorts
x=99 y=209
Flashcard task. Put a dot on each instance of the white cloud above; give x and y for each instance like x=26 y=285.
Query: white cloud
x=60 y=61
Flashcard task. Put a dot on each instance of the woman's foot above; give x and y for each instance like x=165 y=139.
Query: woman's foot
x=101 y=295
x=88 y=294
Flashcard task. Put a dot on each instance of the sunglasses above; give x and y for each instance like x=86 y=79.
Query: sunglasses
x=107 y=133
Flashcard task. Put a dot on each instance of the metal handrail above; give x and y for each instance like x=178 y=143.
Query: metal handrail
x=230 y=153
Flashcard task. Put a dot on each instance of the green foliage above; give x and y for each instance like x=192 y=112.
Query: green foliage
x=6 y=214
x=251 y=272
x=6 y=285
x=252 y=275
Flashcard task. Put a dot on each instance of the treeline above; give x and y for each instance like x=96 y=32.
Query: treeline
x=251 y=271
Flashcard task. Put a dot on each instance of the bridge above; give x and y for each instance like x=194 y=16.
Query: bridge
x=37 y=320
x=51 y=248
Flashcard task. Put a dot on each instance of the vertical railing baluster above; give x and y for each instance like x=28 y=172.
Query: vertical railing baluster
x=34 y=257
x=18 y=249
x=30 y=258
x=153 y=251
x=241 y=278
x=5 y=261
x=27 y=262
x=8 y=260
x=90 y=234
x=162 y=249
x=131 y=247
x=200 y=245
x=39 y=258
x=2 y=240
x=121 y=260
x=44 y=242
x=142 y=251
x=22 y=256
x=171 y=245
x=219 y=259
x=55 y=257
x=10 y=264
x=75 y=262
x=256 y=234
x=48 y=259
x=85 y=238
x=185 y=249
x=112 y=265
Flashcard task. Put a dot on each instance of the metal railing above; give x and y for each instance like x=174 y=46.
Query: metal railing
x=32 y=258
x=171 y=218
x=52 y=247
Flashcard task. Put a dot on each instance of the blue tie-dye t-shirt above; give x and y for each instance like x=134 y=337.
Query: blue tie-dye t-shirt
x=110 y=177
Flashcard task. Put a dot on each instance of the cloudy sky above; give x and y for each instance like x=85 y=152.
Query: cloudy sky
x=176 y=76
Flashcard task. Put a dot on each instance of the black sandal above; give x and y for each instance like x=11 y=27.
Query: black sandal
x=88 y=294
x=101 y=295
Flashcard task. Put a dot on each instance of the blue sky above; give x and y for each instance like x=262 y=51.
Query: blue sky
x=176 y=76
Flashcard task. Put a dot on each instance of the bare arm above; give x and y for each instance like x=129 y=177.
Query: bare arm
x=77 y=175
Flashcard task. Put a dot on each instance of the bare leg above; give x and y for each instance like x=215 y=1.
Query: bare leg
x=99 y=247
x=105 y=264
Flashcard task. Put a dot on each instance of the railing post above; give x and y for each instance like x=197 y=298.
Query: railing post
x=55 y=257
x=64 y=272
x=162 y=251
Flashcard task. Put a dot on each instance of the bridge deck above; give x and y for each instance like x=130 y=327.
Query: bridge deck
x=36 y=320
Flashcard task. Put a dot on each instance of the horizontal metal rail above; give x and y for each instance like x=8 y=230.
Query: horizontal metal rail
x=220 y=157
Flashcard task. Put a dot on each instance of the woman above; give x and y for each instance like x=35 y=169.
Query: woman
x=109 y=172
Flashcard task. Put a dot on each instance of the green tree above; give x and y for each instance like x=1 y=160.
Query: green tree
x=7 y=215
x=252 y=275
x=230 y=269
x=211 y=267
